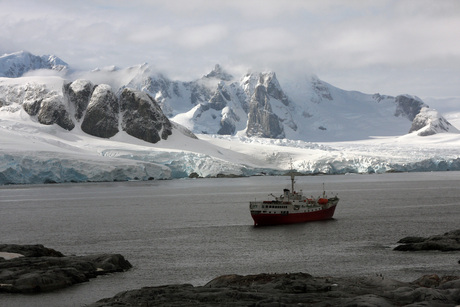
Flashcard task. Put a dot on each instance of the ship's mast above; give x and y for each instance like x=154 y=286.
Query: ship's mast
x=292 y=178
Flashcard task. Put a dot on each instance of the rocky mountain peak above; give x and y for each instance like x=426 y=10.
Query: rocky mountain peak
x=262 y=122
x=429 y=122
x=219 y=73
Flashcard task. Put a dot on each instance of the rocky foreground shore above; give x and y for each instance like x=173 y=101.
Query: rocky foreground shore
x=35 y=268
x=299 y=289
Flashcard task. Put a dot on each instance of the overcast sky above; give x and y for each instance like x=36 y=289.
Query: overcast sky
x=391 y=47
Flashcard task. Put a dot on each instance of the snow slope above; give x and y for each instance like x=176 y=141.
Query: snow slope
x=35 y=153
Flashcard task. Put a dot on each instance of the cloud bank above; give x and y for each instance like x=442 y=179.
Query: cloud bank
x=394 y=47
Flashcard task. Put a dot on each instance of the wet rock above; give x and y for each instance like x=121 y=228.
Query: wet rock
x=450 y=241
x=41 y=269
x=297 y=289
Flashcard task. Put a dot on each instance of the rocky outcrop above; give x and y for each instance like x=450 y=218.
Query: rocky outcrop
x=35 y=268
x=53 y=111
x=450 y=241
x=262 y=122
x=47 y=105
x=142 y=117
x=408 y=106
x=219 y=73
x=101 y=118
x=429 y=122
x=298 y=289
x=79 y=94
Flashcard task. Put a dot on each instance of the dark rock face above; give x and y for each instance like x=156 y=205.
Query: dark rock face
x=32 y=107
x=219 y=73
x=79 y=93
x=142 y=117
x=262 y=122
x=52 y=111
x=42 y=269
x=450 y=241
x=298 y=289
x=274 y=89
x=101 y=118
x=430 y=122
x=408 y=106
x=220 y=98
x=227 y=123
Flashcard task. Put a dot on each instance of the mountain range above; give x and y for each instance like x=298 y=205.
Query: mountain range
x=43 y=93
x=254 y=105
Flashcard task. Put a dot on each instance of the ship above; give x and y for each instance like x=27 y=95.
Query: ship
x=292 y=207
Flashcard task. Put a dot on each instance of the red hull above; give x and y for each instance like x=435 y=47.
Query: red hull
x=263 y=219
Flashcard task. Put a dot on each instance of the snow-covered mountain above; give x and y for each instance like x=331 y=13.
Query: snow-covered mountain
x=258 y=104
x=125 y=124
x=17 y=64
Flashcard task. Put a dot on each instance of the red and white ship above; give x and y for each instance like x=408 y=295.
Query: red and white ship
x=292 y=207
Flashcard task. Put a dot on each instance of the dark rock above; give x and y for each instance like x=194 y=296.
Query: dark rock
x=32 y=106
x=43 y=269
x=449 y=241
x=142 y=117
x=79 y=94
x=429 y=122
x=412 y=240
x=227 y=123
x=52 y=111
x=297 y=289
x=101 y=118
x=262 y=122
x=408 y=106
x=220 y=98
x=219 y=73
x=37 y=250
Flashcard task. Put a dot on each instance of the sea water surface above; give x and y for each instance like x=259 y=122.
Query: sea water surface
x=191 y=231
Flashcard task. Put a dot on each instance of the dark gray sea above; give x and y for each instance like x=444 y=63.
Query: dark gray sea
x=190 y=231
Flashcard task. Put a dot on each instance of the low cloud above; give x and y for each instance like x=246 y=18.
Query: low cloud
x=356 y=44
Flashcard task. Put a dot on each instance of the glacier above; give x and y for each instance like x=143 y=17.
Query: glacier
x=34 y=154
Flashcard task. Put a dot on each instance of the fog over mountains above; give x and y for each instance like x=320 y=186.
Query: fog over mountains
x=44 y=95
